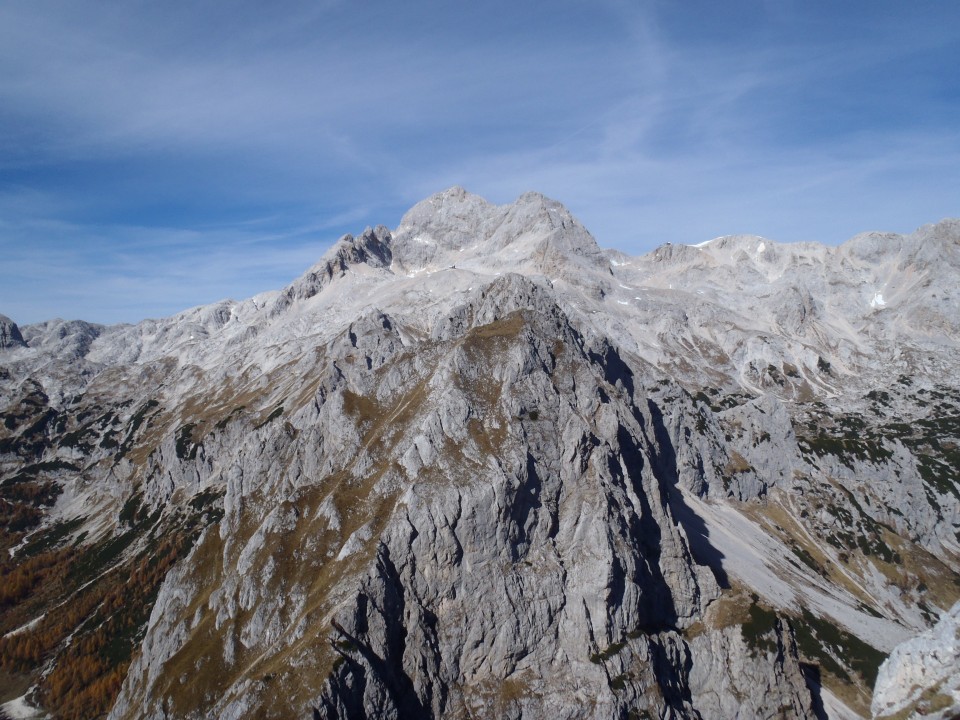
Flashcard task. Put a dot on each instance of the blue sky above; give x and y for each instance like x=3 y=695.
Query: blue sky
x=160 y=155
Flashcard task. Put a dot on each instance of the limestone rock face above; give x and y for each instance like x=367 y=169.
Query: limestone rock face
x=921 y=678
x=729 y=678
x=10 y=334
x=477 y=466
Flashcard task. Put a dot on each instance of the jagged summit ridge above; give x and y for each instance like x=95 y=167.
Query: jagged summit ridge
x=455 y=226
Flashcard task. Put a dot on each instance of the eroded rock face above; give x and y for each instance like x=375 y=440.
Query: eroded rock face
x=479 y=467
x=729 y=678
x=921 y=678
x=519 y=566
x=524 y=539
x=10 y=334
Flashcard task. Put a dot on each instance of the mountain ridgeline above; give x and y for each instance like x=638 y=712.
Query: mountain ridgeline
x=478 y=466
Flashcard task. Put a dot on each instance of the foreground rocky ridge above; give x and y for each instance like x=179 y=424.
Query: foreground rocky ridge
x=478 y=466
x=920 y=677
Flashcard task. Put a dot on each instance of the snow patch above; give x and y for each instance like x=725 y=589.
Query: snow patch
x=20 y=709
x=761 y=247
x=878 y=301
x=706 y=242
x=26 y=626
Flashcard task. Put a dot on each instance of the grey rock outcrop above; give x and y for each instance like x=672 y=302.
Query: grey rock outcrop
x=10 y=334
x=729 y=679
x=921 y=678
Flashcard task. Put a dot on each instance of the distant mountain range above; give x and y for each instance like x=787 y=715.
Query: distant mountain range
x=478 y=466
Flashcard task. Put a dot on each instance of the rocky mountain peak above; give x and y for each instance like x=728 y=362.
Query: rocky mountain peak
x=455 y=226
x=937 y=243
x=10 y=334
x=452 y=218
